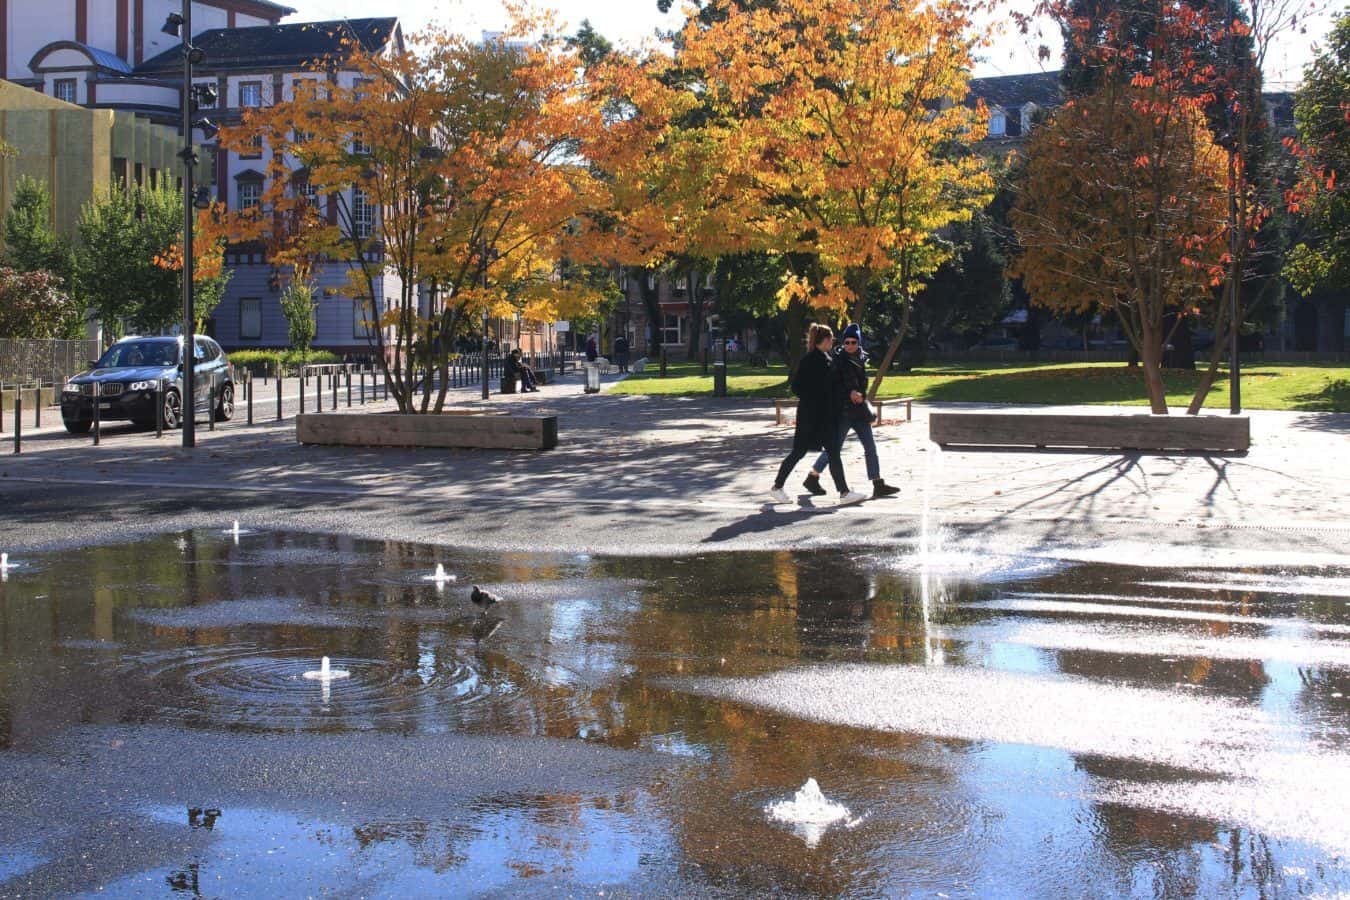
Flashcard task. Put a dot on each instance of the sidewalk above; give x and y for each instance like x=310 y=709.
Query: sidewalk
x=661 y=474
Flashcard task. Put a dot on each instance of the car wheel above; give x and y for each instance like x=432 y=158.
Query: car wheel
x=225 y=408
x=77 y=426
x=173 y=409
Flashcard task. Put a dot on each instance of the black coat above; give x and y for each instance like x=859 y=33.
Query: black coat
x=848 y=373
x=817 y=409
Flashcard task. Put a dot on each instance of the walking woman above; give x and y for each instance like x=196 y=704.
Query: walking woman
x=849 y=371
x=818 y=417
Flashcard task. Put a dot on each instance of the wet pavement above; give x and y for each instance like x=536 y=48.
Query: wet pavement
x=979 y=722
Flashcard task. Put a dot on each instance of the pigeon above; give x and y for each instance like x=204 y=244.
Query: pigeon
x=481 y=598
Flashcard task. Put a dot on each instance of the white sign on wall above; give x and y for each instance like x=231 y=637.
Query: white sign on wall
x=562 y=326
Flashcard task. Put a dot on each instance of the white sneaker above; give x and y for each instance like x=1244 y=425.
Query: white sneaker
x=851 y=497
x=778 y=495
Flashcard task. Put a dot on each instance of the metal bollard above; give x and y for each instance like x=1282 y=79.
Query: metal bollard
x=302 y=395
x=248 y=395
x=98 y=394
x=349 y=388
x=279 y=380
x=333 y=379
x=211 y=407
x=18 y=423
x=363 y=387
x=159 y=408
x=37 y=407
x=2 y=408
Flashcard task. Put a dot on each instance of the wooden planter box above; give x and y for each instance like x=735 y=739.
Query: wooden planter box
x=457 y=428
x=1129 y=432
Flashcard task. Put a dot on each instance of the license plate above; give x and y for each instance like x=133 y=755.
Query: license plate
x=105 y=406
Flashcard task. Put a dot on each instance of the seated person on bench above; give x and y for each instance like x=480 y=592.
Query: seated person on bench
x=518 y=368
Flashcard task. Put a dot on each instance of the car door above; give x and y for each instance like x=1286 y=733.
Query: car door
x=203 y=377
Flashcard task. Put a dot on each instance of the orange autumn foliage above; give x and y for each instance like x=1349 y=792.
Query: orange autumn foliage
x=839 y=131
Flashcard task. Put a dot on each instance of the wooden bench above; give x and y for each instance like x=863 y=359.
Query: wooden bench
x=784 y=410
x=1098 y=432
x=455 y=428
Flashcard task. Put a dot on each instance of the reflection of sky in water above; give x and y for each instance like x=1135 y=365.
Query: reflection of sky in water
x=15 y=862
x=1016 y=658
x=477 y=850
x=1087 y=733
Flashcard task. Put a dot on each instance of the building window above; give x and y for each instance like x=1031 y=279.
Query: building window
x=363 y=313
x=673 y=332
x=203 y=98
x=64 y=89
x=250 y=319
x=360 y=147
x=363 y=214
x=998 y=124
x=250 y=194
x=1028 y=112
x=255 y=148
x=250 y=93
x=304 y=190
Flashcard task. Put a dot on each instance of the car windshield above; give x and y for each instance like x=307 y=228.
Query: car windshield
x=140 y=353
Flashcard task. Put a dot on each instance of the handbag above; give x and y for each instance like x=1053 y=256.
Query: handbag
x=863 y=412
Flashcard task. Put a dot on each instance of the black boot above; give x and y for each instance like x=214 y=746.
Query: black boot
x=881 y=489
x=812 y=484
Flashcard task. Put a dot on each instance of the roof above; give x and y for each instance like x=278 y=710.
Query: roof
x=1015 y=91
x=268 y=46
x=101 y=58
x=105 y=59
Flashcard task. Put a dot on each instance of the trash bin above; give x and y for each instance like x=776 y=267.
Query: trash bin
x=719 y=379
x=592 y=378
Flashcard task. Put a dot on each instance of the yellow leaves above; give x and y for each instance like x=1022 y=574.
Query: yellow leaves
x=831 y=128
x=794 y=287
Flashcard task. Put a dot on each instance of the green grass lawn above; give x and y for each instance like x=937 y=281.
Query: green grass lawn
x=1297 y=386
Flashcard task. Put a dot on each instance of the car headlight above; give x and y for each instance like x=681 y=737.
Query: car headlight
x=70 y=387
x=141 y=386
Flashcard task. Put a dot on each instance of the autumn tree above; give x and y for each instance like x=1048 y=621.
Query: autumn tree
x=1208 y=53
x=839 y=132
x=453 y=175
x=1122 y=210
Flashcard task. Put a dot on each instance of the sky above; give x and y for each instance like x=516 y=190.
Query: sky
x=632 y=21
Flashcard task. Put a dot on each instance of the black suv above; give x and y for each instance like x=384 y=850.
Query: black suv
x=134 y=371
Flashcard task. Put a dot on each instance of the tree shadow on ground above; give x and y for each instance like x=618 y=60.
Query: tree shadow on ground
x=1334 y=397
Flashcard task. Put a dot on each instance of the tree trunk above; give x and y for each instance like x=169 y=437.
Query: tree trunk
x=651 y=300
x=695 y=298
x=892 y=351
x=795 y=319
x=1202 y=389
x=1150 y=353
x=857 y=281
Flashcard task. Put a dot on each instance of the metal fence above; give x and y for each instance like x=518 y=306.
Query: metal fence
x=24 y=361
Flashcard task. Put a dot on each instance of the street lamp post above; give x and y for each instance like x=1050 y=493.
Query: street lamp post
x=486 y=258
x=189 y=157
x=180 y=25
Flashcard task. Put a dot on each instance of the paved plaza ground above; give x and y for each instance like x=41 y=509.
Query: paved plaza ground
x=1030 y=674
x=671 y=475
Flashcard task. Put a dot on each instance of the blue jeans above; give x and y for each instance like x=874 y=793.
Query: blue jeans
x=864 y=432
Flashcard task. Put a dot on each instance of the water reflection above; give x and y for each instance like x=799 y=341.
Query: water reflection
x=972 y=793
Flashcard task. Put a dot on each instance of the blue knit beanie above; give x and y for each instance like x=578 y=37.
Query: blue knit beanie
x=851 y=331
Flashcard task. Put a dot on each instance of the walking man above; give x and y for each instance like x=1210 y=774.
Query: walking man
x=848 y=379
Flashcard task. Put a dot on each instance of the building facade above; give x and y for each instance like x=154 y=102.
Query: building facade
x=113 y=58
